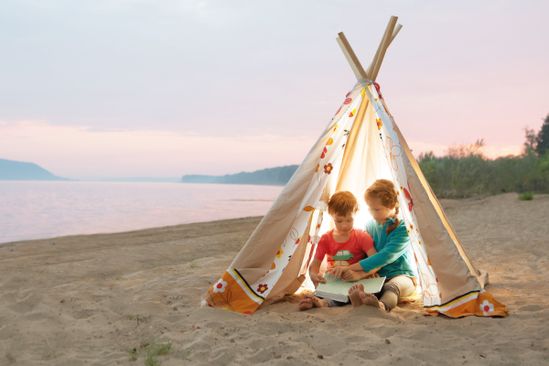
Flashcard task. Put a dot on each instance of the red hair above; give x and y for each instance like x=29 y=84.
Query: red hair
x=342 y=203
x=384 y=190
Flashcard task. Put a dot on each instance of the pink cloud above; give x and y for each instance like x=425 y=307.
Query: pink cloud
x=78 y=151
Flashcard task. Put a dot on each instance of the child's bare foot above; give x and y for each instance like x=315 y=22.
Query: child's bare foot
x=357 y=295
x=311 y=302
x=371 y=299
x=306 y=304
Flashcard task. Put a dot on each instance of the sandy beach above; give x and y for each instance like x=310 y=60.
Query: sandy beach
x=112 y=299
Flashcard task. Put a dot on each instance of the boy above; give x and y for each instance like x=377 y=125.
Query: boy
x=343 y=245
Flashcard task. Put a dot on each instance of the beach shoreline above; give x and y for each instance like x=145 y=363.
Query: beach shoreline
x=111 y=298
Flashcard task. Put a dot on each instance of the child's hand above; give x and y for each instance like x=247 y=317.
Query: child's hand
x=317 y=278
x=351 y=276
x=337 y=271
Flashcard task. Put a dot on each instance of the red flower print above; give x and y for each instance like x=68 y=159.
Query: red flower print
x=323 y=155
x=486 y=307
x=328 y=168
x=262 y=288
x=219 y=286
x=348 y=100
x=408 y=198
x=378 y=89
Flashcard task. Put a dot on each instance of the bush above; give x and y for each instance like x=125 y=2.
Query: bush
x=464 y=172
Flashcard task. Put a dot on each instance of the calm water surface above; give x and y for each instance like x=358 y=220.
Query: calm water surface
x=33 y=210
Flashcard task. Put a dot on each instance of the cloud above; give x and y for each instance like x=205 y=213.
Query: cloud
x=81 y=151
x=74 y=151
x=489 y=151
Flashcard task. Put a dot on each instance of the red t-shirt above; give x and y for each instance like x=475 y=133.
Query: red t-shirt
x=345 y=253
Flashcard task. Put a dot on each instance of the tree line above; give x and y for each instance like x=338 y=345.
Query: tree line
x=465 y=172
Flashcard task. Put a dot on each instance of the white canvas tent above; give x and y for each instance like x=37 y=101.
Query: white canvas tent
x=361 y=143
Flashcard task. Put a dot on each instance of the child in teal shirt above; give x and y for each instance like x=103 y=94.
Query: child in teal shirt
x=392 y=243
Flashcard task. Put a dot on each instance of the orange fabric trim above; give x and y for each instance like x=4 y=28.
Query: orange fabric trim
x=226 y=293
x=477 y=304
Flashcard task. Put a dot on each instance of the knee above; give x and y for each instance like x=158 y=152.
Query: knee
x=392 y=288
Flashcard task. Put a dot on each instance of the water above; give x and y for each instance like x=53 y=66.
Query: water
x=35 y=210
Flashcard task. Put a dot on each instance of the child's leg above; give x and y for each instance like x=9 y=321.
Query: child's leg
x=394 y=289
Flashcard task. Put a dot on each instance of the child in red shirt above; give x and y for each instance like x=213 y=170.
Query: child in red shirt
x=343 y=245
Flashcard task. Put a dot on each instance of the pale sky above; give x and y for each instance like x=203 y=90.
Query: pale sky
x=164 y=88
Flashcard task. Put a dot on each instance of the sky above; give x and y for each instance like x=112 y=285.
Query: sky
x=125 y=88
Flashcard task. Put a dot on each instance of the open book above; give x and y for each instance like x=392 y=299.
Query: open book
x=338 y=290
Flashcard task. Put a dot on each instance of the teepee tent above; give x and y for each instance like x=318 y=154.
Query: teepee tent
x=361 y=143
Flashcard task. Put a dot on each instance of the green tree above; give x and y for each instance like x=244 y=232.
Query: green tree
x=531 y=141
x=543 y=138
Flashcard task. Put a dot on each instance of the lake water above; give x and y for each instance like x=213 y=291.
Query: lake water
x=35 y=210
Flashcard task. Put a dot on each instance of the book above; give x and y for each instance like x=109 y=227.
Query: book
x=337 y=289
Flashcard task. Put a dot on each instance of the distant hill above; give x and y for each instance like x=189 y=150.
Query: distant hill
x=17 y=170
x=273 y=176
x=132 y=179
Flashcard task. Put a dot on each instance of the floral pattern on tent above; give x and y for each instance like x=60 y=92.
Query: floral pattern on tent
x=476 y=302
x=250 y=281
x=241 y=296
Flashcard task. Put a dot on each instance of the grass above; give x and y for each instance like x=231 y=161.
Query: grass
x=139 y=318
x=155 y=350
x=152 y=351
x=526 y=196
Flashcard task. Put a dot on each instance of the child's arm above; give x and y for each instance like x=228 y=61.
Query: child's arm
x=351 y=276
x=363 y=275
x=314 y=270
x=366 y=243
x=396 y=245
x=355 y=275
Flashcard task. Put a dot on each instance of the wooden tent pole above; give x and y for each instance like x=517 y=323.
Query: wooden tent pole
x=351 y=141
x=391 y=32
x=351 y=57
x=395 y=32
x=374 y=67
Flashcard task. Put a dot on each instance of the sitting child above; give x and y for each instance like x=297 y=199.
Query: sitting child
x=343 y=245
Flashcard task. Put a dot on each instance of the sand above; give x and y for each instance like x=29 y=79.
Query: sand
x=111 y=299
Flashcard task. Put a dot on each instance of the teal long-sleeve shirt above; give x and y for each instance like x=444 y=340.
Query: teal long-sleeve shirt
x=393 y=254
